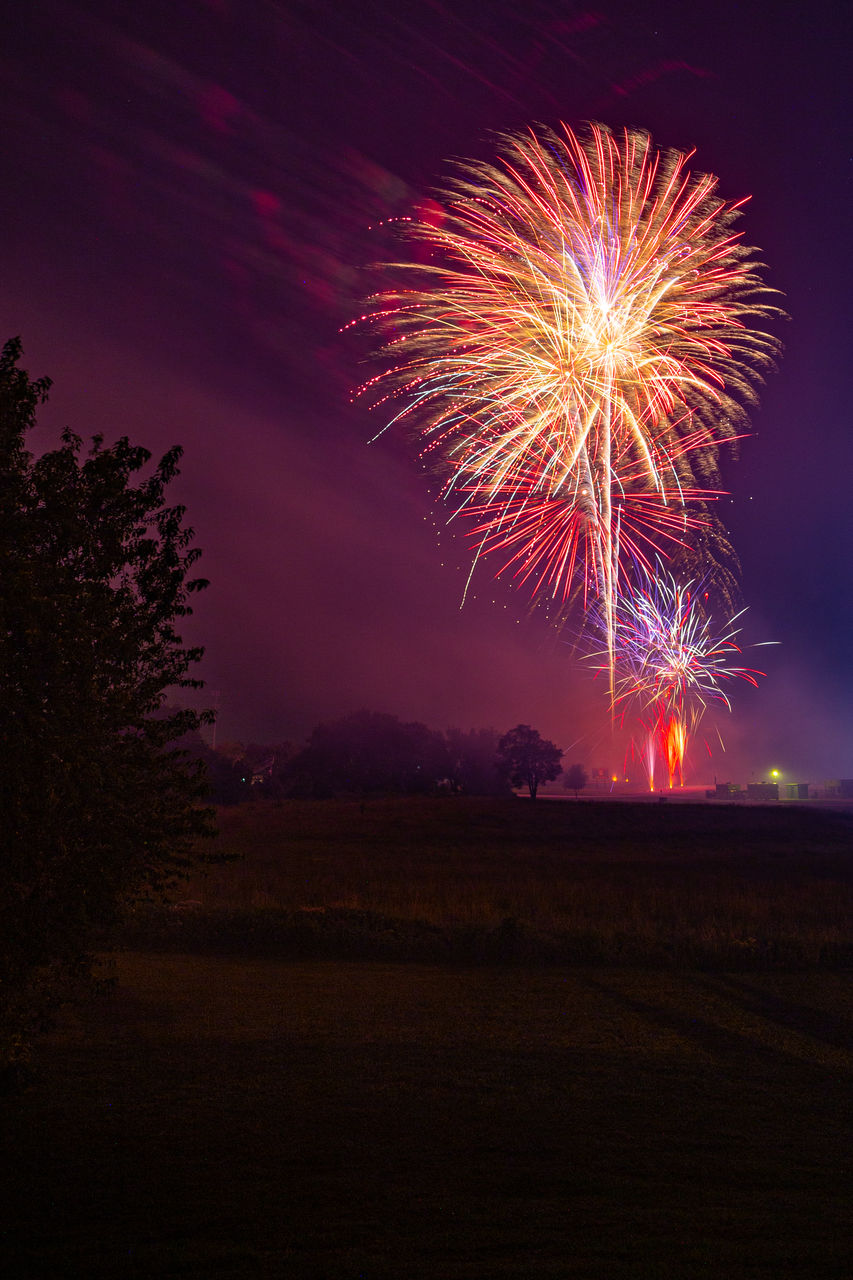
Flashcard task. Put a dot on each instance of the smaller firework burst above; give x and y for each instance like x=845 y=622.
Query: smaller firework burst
x=671 y=664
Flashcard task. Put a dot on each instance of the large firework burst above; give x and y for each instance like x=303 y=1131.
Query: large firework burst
x=574 y=346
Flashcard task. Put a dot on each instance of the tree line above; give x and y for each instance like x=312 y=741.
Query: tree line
x=374 y=753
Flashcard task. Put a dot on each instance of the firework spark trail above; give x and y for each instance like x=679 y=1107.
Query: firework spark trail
x=577 y=345
x=671 y=663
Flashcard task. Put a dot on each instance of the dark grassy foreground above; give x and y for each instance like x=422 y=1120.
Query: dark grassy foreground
x=224 y=1117
x=471 y=881
x=497 y=1114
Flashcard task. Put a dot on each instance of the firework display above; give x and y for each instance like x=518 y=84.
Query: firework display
x=573 y=345
x=671 y=664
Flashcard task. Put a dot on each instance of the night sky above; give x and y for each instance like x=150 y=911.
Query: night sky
x=189 y=190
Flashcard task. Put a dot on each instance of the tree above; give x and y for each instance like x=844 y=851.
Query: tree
x=98 y=807
x=369 y=752
x=575 y=778
x=472 y=763
x=528 y=759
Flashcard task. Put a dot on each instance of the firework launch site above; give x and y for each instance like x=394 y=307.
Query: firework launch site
x=835 y=792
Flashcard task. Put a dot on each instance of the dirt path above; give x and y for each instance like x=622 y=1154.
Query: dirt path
x=252 y=1118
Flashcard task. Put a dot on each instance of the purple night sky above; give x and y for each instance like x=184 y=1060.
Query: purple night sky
x=188 y=192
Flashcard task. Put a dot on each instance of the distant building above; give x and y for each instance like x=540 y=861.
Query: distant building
x=841 y=787
x=796 y=791
x=725 y=790
x=762 y=791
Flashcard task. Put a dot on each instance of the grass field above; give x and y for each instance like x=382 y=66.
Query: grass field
x=354 y=1113
x=230 y=1117
x=468 y=880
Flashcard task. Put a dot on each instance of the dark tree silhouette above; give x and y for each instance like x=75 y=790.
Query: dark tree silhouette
x=97 y=806
x=528 y=759
x=366 y=753
x=472 y=765
x=575 y=778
